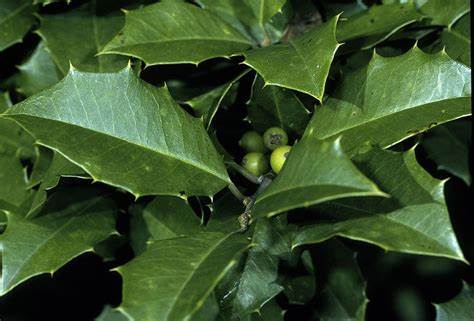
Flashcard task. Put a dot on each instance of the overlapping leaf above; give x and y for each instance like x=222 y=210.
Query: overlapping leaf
x=16 y=18
x=275 y=106
x=448 y=146
x=68 y=227
x=77 y=36
x=37 y=73
x=248 y=16
x=443 y=12
x=377 y=23
x=414 y=219
x=165 y=217
x=394 y=98
x=124 y=132
x=315 y=172
x=176 y=32
x=301 y=64
x=459 y=308
x=457 y=40
x=341 y=294
x=181 y=272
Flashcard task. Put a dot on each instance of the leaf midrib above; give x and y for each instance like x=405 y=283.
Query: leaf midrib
x=186 y=161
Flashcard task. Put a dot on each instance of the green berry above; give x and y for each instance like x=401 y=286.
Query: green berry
x=278 y=157
x=255 y=163
x=274 y=137
x=252 y=142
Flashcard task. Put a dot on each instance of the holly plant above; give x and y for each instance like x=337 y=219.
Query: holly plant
x=250 y=160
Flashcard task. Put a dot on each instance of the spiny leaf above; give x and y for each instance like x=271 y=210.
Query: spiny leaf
x=16 y=18
x=175 y=32
x=414 y=219
x=377 y=23
x=165 y=217
x=248 y=16
x=67 y=228
x=173 y=278
x=449 y=145
x=77 y=36
x=315 y=172
x=302 y=64
x=342 y=287
x=459 y=308
x=275 y=106
x=394 y=98
x=124 y=132
x=457 y=40
x=443 y=12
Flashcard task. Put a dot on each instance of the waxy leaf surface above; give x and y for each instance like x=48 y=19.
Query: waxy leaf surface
x=458 y=308
x=394 y=98
x=314 y=172
x=173 y=278
x=67 y=228
x=16 y=18
x=124 y=132
x=301 y=64
x=414 y=219
x=176 y=32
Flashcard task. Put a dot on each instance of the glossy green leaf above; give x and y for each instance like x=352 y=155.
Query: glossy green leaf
x=165 y=217
x=300 y=289
x=125 y=133
x=13 y=182
x=272 y=106
x=414 y=219
x=459 y=308
x=342 y=287
x=301 y=64
x=457 y=40
x=16 y=19
x=77 y=36
x=257 y=284
x=174 y=277
x=315 y=172
x=394 y=98
x=66 y=228
x=38 y=72
x=207 y=104
x=377 y=23
x=58 y=166
x=448 y=146
x=110 y=314
x=175 y=32
x=445 y=13
x=248 y=16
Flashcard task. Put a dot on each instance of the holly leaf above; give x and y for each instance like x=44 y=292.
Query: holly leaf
x=448 y=146
x=445 y=13
x=341 y=295
x=459 y=308
x=275 y=106
x=165 y=217
x=173 y=278
x=38 y=72
x=78 y=218
x=125 y=133
x=175 y=32
x=75 y=37
x=301 y=64
x=254 y=283
x=457 y=40
x=315 y=172
x=206 y=105
x=394 y=98
x=16 y=19
x=376 y=24
x=414 y=219
x=13 y=183
x=248 y=16
x=110 y=314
